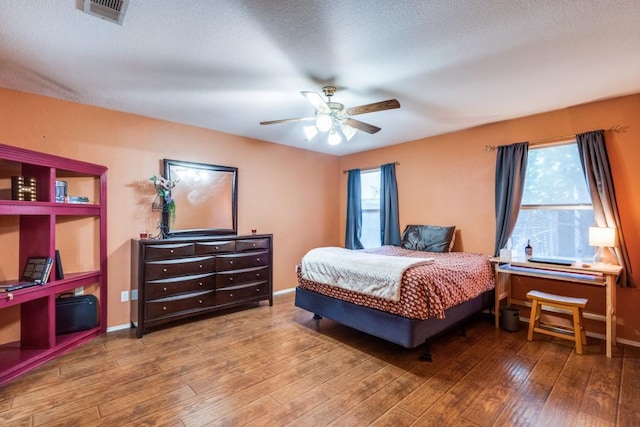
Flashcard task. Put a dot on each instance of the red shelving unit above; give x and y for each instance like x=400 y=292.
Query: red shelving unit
x=36 y=228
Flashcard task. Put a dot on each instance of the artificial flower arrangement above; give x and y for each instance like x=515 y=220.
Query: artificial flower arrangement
x=163 y=187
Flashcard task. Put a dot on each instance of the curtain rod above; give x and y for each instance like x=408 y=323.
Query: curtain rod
x=615 y=129
x=370 y=167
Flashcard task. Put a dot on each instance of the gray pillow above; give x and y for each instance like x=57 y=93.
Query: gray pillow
x=428 y=238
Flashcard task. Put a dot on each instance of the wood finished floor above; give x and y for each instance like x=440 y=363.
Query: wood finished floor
x=271 y=366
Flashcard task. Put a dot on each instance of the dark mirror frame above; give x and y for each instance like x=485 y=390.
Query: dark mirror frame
x=166 y=226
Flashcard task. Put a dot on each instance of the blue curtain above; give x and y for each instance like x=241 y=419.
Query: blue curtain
x=597 y=172
x=354 y=211
x=511 y=166
x=389 y=216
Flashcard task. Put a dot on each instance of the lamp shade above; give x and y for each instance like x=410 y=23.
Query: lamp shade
x=334 y=138
x=324 y=122
x=602 y=237
x=310 y=132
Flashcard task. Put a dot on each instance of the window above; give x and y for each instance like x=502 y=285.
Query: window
x=556 y=210
x=370 y=196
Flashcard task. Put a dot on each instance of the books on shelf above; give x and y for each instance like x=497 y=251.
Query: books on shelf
x=77 y=199
x=61 y=191
x=36 y=272
x=62 y=195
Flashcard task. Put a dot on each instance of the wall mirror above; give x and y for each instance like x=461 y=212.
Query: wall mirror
x=206 y=198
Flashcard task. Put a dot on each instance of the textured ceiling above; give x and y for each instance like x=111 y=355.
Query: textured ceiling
x=227 y=65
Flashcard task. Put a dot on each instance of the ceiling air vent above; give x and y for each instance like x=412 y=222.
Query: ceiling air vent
x=109 y=10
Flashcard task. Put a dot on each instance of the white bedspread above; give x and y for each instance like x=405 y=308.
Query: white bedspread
x=371 y=274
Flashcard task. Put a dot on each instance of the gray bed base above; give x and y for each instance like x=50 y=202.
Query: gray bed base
x=408 y=333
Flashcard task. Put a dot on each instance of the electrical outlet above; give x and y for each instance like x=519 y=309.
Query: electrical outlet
x=124 y=296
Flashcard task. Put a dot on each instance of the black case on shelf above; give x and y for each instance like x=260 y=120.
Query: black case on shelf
x=76 y=313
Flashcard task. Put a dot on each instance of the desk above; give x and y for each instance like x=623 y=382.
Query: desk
x=603 y=276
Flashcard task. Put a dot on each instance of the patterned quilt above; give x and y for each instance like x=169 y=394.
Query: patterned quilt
x=427 y=290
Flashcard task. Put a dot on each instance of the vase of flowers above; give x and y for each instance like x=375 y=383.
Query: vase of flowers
x=163 y=202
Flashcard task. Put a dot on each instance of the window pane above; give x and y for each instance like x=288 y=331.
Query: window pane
x=562 y=233
x=370 y=187
x=554 y=176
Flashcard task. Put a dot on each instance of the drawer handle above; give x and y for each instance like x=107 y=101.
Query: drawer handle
x=164 y=307
x=254 y=245
x=230 y=262
x=217 y=248
x=231 y=279
x=258 y=259
x=164 y=269
x=171 y=251
x=257 y=274
x=258 y=290
x=200 y=301
x=200 y=265
x=200 y=283
x=231 y=295
x=164 y=289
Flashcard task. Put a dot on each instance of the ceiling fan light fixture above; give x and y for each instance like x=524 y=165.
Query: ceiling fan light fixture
x=310 y=132
x=324 y=122
x=348 y=131
x=334 y=138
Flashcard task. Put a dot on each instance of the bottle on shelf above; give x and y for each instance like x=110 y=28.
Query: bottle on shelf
x=528 y=250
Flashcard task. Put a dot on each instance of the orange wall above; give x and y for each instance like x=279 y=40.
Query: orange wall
x=446 y=180
x=449 y=179
x=282 y=190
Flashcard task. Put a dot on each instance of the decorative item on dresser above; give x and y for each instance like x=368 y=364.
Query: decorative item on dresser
x=183 y=277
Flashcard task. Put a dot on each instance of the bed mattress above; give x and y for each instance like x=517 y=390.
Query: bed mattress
x=427 y=290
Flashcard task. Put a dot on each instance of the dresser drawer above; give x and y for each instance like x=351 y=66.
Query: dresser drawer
x=240 y=261
x=252 y=244
x=239 y=277
x=178 y=267
x=179 y=305
x=164 y=288
x=215 y=247
x=168 y=250
x=239 y=293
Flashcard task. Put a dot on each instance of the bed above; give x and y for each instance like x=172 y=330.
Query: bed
x=435 y=293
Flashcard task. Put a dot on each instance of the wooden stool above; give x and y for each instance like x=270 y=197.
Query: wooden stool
x=573 y=305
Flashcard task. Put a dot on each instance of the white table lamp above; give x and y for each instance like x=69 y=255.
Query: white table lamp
x=601 y=237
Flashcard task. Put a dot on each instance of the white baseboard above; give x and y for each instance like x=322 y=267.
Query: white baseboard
x=599 y=336
x=119 y=327
x=522 y=319
x=128 y=325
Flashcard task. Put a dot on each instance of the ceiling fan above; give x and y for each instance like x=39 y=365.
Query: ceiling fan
x=334 y=118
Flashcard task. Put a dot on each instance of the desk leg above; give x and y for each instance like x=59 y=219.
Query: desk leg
x=611 y=313
x=496 y=305
x=502 y=291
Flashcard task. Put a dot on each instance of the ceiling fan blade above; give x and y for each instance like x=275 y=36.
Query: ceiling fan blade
x=365 y=127
x=301 y=119
x=371 y=108
x=316 y=100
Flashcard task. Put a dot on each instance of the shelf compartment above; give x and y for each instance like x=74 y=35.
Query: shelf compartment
x=16 y=360
x=70 y=281
x=19 y=207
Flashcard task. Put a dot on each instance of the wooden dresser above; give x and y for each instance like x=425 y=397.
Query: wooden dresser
x=183 y=277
